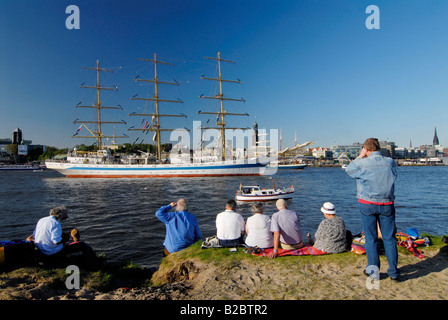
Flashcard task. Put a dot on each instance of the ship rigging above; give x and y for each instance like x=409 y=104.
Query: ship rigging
x=98 y=134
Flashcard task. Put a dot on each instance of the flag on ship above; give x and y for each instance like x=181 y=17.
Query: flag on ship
x=77 y=131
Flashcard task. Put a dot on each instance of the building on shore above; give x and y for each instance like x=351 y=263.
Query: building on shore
x=15 y=150
x=351 y=151
x=321 y=152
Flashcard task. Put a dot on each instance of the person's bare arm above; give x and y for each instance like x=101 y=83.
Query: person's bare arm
x=274 y=253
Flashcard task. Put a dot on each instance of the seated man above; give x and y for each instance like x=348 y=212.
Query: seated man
x=182 y=228
x=230 y=226
x=285 y=224
x=48 y=236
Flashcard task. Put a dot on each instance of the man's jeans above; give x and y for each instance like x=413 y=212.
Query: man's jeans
x=231 y=243
x=385 y=215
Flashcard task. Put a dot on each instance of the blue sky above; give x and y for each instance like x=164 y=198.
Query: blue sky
x=307 y=67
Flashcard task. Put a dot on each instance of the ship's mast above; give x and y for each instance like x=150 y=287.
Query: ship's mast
x=220 y=115
x=98 y=135
x=156 y=116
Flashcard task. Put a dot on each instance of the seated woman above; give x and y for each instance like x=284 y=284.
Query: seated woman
x=258 y=228
x=331 y=233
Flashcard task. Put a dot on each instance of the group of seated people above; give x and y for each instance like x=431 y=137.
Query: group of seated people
x=282 y=230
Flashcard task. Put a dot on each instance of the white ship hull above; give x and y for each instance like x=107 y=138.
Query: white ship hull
x=81 y=170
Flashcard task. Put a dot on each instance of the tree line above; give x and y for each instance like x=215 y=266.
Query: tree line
x=126 y=148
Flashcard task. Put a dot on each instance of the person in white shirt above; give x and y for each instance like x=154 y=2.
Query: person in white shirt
x=48 y=236
x=258 y=228
x=230 y=226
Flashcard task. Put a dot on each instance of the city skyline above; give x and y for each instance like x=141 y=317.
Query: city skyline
x=308 y=146
x=311 y=69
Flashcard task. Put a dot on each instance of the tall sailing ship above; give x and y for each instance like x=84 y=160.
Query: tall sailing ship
x=103 y=164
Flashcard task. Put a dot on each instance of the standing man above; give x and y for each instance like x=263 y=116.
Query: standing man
x=285 y=224
x=230 y=226
x=375 y=176
x=182 y=228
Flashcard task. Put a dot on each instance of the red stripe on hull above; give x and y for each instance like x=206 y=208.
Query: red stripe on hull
x=162 y=176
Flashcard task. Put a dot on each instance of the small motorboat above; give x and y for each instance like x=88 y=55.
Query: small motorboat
x=256 y=193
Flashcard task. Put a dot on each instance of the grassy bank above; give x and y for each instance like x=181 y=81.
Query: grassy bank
x=225 y=258
x=222 y=274
x=218 y=274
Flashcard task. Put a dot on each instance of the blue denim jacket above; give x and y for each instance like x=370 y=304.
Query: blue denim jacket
x=375 y=177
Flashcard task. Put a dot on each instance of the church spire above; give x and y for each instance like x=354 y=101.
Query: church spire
x=435 y=140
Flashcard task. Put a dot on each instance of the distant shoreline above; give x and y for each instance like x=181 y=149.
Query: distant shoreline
x=399 y=165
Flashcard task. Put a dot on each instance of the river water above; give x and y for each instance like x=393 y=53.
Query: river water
x=116 y=216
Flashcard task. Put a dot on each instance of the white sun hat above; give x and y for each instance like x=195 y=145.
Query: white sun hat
x=328 y=208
